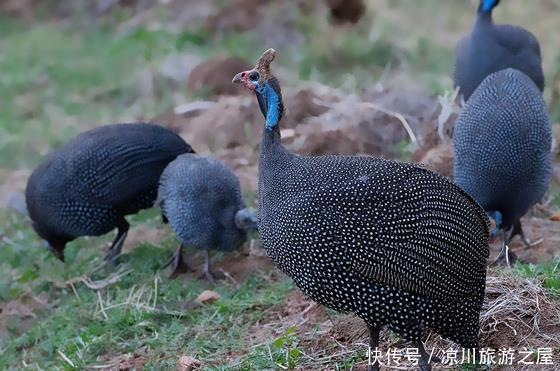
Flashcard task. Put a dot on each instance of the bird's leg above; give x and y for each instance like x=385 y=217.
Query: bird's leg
x=425 y=358
x=505 y=255
x=518 y=229
x=502 y=249
x=373 y=363
x=115 y=250
x=207 y=270
x=177 y=262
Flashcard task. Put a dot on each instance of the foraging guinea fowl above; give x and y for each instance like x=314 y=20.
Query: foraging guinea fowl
x=490 y=48
x=506 y=169
x=201 y=199
x=346 y=11
x=87 y=187
x=394 y=243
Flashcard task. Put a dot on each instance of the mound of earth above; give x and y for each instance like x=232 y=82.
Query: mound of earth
x=213 y=76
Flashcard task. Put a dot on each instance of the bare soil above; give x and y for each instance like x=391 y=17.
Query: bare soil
x=236 y=266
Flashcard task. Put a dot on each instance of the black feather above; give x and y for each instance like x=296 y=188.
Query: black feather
x=87 y=186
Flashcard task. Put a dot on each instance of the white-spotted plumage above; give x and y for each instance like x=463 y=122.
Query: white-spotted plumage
x=395 y=243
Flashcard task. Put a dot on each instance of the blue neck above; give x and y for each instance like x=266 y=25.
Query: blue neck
x=486 y=6
x=272 y=102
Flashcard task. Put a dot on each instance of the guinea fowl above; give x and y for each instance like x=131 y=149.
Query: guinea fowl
x=87 y=187
x=490 y=48
x=394 y=243
x=201 y=199
x=506 y=169
x=346 y=11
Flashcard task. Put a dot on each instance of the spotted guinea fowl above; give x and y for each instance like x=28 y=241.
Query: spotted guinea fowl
x=394 y=243
x=201 y=198
x=510 y=168
x=490 y=48
x=87 y=187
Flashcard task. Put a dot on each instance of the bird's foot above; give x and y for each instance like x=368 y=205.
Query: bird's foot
x=528 y=244
x=426 y=364
x=177 y=263
x=210 y=276
x=112 y=257
x=518 y=229
x=506 y=259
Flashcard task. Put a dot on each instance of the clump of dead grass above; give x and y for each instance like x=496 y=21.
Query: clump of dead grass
x=519 y=312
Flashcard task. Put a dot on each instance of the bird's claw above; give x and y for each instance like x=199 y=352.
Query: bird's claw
x=211 y=276
x=177 y=263
x=528 y=244
x=112 y=258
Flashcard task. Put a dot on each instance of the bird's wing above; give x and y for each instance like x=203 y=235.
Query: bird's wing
x=517 y=40
x=418 y=233
x=132 y=168
x=461 y=62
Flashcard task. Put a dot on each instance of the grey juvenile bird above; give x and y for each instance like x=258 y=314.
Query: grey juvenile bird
x=87 y=187
x=490 y=48
x=502 y=142
x=394 y=243
x=201 y=198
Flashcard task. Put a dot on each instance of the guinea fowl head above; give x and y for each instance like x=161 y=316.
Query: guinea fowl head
x=486 y=6
x=245 y=219
x=53 y=242
x=266 y=88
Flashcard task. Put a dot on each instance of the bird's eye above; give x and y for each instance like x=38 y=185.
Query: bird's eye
x=254 y=76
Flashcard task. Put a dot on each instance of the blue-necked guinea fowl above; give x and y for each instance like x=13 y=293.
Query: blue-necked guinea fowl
x=502 y=142
x=86 y=187
x=201 y=198
x=490 y=48
x=394 y=243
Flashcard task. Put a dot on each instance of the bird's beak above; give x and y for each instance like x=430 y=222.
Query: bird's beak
x=254 y=224
x=237 y=79
x=59 y=253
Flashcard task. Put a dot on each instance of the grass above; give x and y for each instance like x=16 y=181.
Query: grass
x=145 y=312
x=548 y=272
x=60 y=78
x=57 y=83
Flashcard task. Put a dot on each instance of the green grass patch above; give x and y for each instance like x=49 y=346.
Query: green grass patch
x=548 y=272
x=143 y=312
